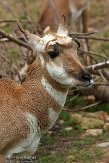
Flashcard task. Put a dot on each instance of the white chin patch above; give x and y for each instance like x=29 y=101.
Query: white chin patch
x=92 y=82
x=59 y=74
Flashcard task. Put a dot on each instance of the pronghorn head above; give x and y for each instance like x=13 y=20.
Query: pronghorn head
x=58 y=55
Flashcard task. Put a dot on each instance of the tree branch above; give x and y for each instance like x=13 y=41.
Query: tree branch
x=14 y=21
x=93 y=38
x=75 y=34
x=86 y=36
x=98 y=66
x=11 y=38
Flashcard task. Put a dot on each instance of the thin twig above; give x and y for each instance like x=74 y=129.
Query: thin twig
x=98 y=55
x=82 y=34
x=10 y=63
x=72 y=99
x=93 y=38
x=86 y=107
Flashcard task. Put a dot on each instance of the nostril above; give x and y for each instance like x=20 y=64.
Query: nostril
x=86 y=77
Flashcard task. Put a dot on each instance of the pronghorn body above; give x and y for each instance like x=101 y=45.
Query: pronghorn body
x=29 y=110
x=76 y=12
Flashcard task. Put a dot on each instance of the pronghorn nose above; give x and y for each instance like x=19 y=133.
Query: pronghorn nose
x=86 y=76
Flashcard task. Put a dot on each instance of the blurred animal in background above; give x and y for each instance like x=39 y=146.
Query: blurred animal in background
x=76 y=12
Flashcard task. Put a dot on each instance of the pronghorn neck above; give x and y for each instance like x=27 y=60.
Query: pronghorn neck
x=56 y=85
x=40 y=75
x=59 y=95
x=35 y=71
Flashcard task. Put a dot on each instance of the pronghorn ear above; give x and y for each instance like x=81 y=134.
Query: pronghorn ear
x=62 y=29
x=34 y=41
x=24 y=32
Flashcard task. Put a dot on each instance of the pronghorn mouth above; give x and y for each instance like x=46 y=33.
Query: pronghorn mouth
x=87 y=84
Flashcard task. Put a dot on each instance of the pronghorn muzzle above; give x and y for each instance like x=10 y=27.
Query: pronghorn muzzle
x=86 y=78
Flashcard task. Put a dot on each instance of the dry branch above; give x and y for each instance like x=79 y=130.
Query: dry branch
x=93 y=38
x=98 y=66
x=14 y=21
x=86 y=36
x=11 y=38
x=81 y=34
x=86 y=107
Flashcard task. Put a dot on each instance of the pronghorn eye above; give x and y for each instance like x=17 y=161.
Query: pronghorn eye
x=78 y=43
x=55 y=52
x=52 y=54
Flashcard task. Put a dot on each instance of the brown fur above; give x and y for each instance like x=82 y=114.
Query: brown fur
x=2 y=158
x=38 y=95
x=63 y=7
x=18 y=99
x=14 y=104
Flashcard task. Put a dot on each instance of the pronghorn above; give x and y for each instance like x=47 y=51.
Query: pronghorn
x=76 y=12
x=29 y=109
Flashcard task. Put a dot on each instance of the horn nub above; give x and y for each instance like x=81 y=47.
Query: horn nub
x=62 y=29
